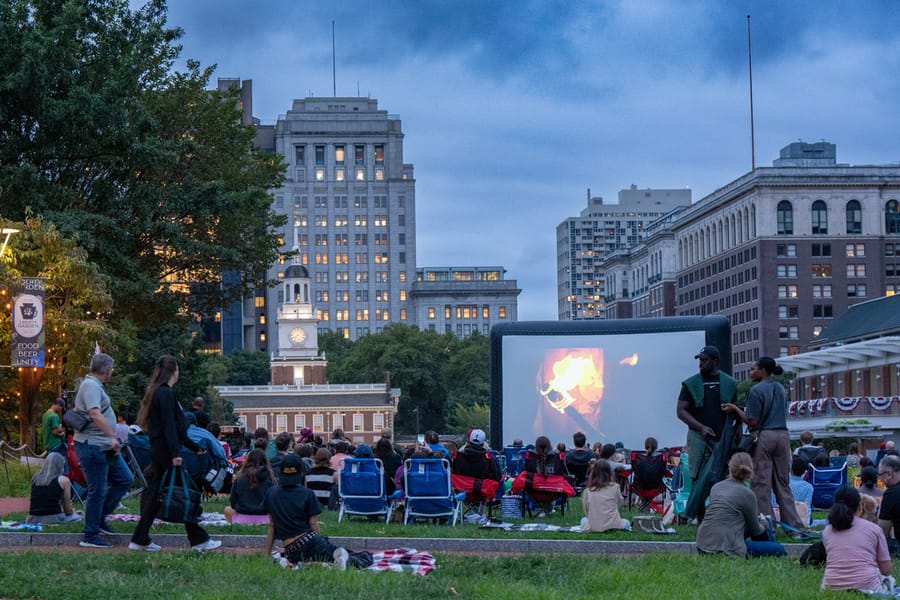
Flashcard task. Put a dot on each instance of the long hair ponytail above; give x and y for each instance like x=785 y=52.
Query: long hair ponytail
x=165 y=367
x=846 y=503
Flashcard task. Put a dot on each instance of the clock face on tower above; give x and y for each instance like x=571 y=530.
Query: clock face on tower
x=298 y=335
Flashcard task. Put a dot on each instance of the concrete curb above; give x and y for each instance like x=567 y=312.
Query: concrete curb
x=171 y=541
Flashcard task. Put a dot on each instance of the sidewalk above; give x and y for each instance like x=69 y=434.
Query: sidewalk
x=13 y=505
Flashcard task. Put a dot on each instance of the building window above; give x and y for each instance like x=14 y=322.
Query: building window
x=856 y=270
x=821 y=249
x=357 y=422
x=299 y=421
x=379 y=173
x=339 y=154
x=854 y=217
x=856 y=290
x=430 y=312
x=359 y=154
x=788 y=332
x=320 y=174
x=339 y=174
x=785 y=218
x=819 y=218
x=318 y=423
x=787 y=291
x=821 y=270
x=402 y=314
x=280 y=423
x=262 y=421
x=360 y=174
x=786 y=250
x=501 y=312
x=299 y=154
x=362 y=277
x=378 y=421
x=787 y=311
x=856 y=250
x=784 y=271
x=320 y=155
x=892 y=217
x=823 y=311
x=379 y=154
x=821 y=291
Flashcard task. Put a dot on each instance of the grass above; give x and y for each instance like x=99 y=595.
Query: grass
x=87 y=575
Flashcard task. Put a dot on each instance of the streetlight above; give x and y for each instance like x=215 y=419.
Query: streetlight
x=416 y=410
x=8 y=231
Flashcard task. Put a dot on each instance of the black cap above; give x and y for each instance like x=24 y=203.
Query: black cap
x=708 y=352
x=291 y=468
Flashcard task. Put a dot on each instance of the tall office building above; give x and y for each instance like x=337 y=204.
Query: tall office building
x=351 y=206
x=583 y=242
x=781 y=251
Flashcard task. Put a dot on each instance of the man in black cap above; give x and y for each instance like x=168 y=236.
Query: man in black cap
x=700 y=408
x=293 y=518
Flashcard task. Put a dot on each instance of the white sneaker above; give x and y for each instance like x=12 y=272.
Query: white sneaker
x=151 y=547
x=207 y=545
x=341 y=556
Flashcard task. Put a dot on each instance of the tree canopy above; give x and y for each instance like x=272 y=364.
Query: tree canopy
x=135 y=185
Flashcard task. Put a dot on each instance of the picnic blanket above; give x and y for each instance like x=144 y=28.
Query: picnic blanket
x=206 y=519
x=408 y=560
x=19 y=526
x=494 y=524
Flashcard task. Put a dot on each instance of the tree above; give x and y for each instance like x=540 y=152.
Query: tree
x=248 y=367
x=77 y=305
x=154 y=173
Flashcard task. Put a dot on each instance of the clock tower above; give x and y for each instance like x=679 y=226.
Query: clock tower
x=296 y=360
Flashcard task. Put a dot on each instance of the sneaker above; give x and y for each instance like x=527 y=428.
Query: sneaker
x=107 y=529
x=94 y=542
x=207 y=545
x=150 y=547
x=341 y=556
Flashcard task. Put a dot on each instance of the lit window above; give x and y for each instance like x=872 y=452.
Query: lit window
x=320 y=174
x=379 y=174
x=339 y=174
x=339 y=154
x=379 y=154
x=502 y=312
x=430 y=312
x=360 y=174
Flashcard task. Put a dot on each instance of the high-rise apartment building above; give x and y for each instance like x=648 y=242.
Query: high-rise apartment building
x=781 y=251
x=584 y=242
x=351 y=206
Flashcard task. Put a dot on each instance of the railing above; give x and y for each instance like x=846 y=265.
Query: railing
x=337 y=387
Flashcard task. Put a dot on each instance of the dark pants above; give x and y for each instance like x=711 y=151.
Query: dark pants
x=108 y=478
x=310 y=546
x=160 y=461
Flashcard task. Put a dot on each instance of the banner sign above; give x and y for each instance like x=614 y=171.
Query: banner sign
x=28 y=324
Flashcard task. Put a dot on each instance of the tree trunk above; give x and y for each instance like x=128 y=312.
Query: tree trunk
x=29 y=386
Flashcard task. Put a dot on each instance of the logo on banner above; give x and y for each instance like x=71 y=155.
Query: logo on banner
x=28 y=324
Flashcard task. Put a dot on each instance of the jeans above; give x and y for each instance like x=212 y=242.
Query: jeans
x=108 y=478
x=765 y=549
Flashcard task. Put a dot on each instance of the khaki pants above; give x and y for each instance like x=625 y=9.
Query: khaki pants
x=771 y=473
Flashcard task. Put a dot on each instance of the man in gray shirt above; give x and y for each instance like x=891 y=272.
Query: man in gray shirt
x=99 y=453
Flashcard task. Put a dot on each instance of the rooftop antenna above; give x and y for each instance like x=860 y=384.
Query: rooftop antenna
x=333 y=67
x=752 y=135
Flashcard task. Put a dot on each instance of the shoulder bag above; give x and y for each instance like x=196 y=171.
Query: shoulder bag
x=179 y=498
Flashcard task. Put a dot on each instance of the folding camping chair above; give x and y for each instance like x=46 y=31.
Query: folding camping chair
x=429 y=494
x=514 y=457
x=472 y=474
x=543 y=492
x=578 y=463
x=140 y=482
x=361 y=489
x=647 y=480
x=825 y=482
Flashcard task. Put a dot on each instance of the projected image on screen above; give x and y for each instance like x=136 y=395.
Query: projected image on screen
x=618 y=387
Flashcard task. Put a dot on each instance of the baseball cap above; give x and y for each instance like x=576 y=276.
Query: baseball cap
x=363 y=451
x=291 y=470
x=61 y=402
x=708 y=352
x=476 y=437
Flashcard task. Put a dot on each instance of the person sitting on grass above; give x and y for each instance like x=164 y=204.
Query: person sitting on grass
x=51 y=494
x=601 y=501
x=731 y=517
x=249 y=489
x=857 y=551
x=293 y=519
x=321 y=479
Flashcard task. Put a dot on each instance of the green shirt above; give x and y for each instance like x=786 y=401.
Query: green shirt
x=49 y=422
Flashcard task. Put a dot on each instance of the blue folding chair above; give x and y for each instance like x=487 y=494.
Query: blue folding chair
x=514 y=457
x=825 y=482
x=361 y=489
x=429 y=494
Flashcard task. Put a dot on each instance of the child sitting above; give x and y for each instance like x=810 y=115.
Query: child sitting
x=601 y=501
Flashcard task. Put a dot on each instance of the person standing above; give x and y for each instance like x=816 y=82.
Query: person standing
x=889 y=516
x=162 y=417
x=52 y=430
x=766 y=413
x=700 y=408
x=99 y=452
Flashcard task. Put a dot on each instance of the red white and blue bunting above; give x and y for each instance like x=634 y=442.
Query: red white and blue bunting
x=845 y=404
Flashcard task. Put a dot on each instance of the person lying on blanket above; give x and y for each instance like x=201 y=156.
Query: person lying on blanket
x=293 y=518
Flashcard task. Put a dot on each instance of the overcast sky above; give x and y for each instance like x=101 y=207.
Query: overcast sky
x=512 y=110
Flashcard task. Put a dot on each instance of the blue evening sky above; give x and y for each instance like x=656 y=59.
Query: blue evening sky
x=512 y=110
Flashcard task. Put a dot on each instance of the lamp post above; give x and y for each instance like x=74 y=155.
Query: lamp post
x=416 y=411
x=8 y=231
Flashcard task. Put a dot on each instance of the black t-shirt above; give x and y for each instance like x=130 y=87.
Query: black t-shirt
x=890 y=507
x=247 y=499
x=710 y=414
x=290 y=509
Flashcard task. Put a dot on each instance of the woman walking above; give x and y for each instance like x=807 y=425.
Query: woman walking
x=162 y=417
